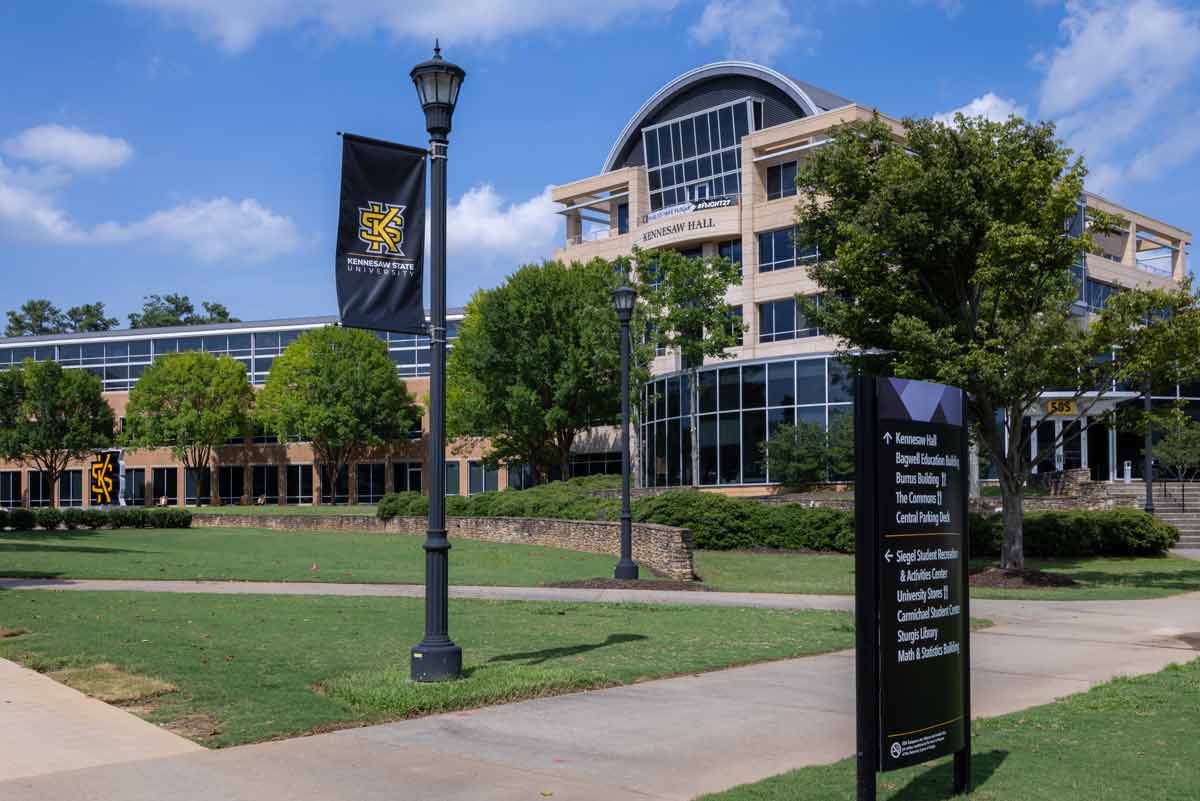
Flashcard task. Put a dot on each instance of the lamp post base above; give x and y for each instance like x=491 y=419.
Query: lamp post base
x=436 y=662
x=626 y=569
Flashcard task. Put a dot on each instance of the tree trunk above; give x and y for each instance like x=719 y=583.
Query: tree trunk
x=973 y=469
x=1012 y=552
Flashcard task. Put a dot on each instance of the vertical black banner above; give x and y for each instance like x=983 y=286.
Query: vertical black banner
x=105 y=475
x=381 y=235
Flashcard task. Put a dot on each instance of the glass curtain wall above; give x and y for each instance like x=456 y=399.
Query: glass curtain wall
x=739 y=407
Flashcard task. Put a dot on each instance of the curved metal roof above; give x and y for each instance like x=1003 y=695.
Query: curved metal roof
x=811 y=99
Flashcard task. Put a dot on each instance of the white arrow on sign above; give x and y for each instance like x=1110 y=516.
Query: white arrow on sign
x=888 y=556
x=887 y=437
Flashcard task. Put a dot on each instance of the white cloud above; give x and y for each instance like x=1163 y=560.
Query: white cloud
x=1116 y=83
x=489 y=237
x=69 y=148
x=220 y=229
x=990 y=106
x=754 y=29
x=216 y=230
x=236 y=24
x=951 y=8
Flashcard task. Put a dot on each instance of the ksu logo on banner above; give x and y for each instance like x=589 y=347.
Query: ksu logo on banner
x=102 y=472
x=381 y=228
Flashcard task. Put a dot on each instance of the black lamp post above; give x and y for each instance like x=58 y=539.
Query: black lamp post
x=624 y=299
x=1148 y=464
x=436 y=657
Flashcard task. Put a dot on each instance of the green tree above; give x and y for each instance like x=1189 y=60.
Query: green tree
x=191 y=403
x=52 y=417
x=947 y=255
x=683 y=300
x=537 y=361
x=36 y=318
x=1178 y=449
x=89 y=317
x=337 y=388
x=806 y=452
x=168 y=310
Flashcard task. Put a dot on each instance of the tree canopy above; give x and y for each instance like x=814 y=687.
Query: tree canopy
x=40 y=317
x=168 y=310
x=50 y=417
x=947 y=254
x=191 y=403
x=337 y=388
x=806 y=452
x=537 y=361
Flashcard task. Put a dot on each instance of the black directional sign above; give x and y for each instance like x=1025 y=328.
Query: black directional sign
x=911 y=516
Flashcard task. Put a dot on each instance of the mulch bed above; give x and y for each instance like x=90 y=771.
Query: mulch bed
x=999 y=578
x=628 y=584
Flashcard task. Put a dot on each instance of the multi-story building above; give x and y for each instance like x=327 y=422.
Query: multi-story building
x=257 y=468
x=707 y=166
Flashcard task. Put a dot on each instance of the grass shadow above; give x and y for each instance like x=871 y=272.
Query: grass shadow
x=28 y=575
x=546 y=654
x=14 y=547
x=937 y=783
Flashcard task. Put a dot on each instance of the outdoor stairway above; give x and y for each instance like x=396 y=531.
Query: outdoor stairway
x=1182 y=510
x=1173 y=503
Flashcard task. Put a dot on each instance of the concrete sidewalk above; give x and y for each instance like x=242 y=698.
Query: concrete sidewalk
x=764 y=600
x=46 y=727
x=670 y=739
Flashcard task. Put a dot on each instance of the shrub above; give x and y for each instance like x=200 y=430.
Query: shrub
x=1110 y=532
x=794 y=527
x=457 y=506
x=72 y=517
x=22 y=519
x=96 y=518
x=481 y=504
x=128 y=517
x=49 y=518
x=402 y=504
x=169 y=518
x=717 y=523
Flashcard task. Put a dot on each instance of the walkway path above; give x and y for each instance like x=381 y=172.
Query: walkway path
x=47 y=727
x=670 y=739
x=694 y=598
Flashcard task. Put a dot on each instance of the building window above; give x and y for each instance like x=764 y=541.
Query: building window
x=299 y=483
x=698 y=156
x=778 y=250
x=1098 y=294
x=731 y=249
x=165 y=485
x=781 y=180
x=452 y=478
x=197 y=487
x=10 y=489
x=735 y=323
x=40 y=491
x=264 y=484
x=370 y=480
x=594 y=464
x=622 y=218
x=406 y=476
x=338 y=491
x=482 y=479
x=231 y=483
x=135 y=486
x=780 y=320
x=520 y=475
x=70 y=488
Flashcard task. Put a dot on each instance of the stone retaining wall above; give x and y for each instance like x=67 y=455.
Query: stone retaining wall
x=664 y=549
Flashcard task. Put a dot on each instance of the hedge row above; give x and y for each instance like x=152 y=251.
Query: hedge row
x=717 y=522
x=1112 y=532
x=74 y=518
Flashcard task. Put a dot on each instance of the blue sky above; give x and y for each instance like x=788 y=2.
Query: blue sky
x=154 y=146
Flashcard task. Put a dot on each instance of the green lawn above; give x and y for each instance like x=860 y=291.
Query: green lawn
x=1129 y=739
x=264 y=555
x=268 y=666
x=366 y=509
x=1101 y=578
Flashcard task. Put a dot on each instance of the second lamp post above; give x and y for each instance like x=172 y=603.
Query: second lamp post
x=624 y=299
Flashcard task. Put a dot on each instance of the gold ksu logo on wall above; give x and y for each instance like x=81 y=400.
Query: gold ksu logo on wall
x=381 y=228
x=102 y=471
